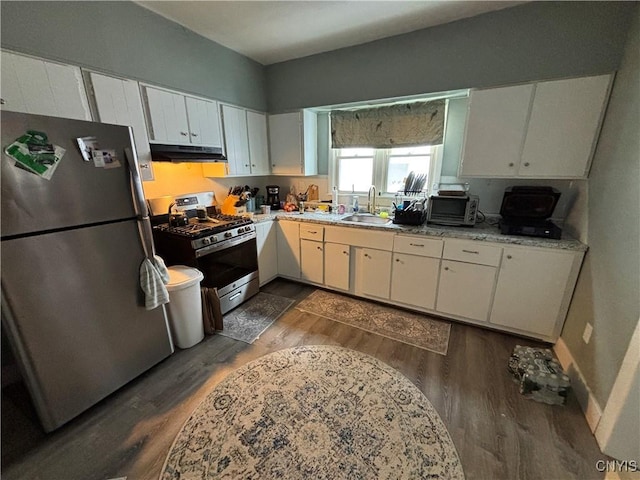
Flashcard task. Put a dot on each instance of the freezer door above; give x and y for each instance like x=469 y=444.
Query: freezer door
x=79 y=193
x=74 y=312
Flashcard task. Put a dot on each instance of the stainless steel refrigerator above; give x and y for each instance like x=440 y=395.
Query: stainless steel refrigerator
x=71 y=250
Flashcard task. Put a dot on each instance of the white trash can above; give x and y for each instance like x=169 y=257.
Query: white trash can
x=185 y=305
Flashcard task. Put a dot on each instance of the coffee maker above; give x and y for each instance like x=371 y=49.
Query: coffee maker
x=273 y=196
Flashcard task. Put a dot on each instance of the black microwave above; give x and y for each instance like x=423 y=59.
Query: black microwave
x=453 y=210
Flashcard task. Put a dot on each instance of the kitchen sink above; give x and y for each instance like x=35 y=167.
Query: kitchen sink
x=366 y=218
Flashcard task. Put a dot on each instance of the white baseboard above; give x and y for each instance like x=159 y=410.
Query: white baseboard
x=587 y=401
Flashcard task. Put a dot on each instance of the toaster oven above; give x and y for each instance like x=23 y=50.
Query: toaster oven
x=453 y=210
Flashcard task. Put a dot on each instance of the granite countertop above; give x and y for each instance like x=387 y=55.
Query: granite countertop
x=488 y=232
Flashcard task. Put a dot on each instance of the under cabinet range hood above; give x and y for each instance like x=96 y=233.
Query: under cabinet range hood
x=186 y=153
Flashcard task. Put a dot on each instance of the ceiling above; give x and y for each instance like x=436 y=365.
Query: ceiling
x=276 y=31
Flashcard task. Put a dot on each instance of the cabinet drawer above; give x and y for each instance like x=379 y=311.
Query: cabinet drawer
x=312 y=232
x=472 y=252
x=360 y=237
x=425 y=247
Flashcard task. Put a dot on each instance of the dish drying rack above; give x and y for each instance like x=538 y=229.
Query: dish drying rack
x=414 y=184
x=410 y=207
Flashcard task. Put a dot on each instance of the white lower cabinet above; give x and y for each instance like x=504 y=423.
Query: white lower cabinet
x=288 y=234
x=266 y=239
x=519 y=289
x=414 y=280
x=373 y=272
x=533 y=289
x=337 y=258
x=466 y=289
x=312 y=261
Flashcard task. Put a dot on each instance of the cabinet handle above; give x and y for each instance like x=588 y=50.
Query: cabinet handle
x=319 y=248
x=345 y=252
x=526 y=164
x=194 y=134
x=246 y=164
x=253 y=164
x=2 y=102
x=471 y=251
x=509 y=257
x=511 y=164
x=417 y=244
x=397 y=259
x=446 y=268
x=273 y=164
x=184 y=134
x=312 y=232
x=367 y=255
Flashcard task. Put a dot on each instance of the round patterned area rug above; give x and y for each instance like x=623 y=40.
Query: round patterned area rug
x=314 y=412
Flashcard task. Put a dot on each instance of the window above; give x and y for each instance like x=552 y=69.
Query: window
x=356 y=169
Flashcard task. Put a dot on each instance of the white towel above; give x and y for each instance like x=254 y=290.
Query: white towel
x=153 y=277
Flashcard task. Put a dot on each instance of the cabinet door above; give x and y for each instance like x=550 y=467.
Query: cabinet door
x=258 y=143
x=373 y=272
x=31 y=85
x=167 y=116
x=564 y=124
x=312 y=261
x=234 y=121
x=465 y=289
x=118 y=102
x=267 y=251
x=204 y=122
x=531 y=287
x=336 y=265
x=414 y=280
x=285 y=135
x=495 y=131
x=288 y=249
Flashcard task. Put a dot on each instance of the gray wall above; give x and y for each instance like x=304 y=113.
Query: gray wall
x=125 y=39
x=535 y=41
x=607 y=294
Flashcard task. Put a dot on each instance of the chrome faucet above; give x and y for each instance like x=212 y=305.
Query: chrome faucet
x=371 y=200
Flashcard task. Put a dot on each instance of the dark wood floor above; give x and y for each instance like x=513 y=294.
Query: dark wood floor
x=498 y=433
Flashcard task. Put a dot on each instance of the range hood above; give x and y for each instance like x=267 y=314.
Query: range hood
x=186 y=153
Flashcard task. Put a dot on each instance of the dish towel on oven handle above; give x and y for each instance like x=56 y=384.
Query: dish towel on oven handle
x=153 y=278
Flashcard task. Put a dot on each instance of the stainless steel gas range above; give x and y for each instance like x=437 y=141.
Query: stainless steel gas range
x=222 y=247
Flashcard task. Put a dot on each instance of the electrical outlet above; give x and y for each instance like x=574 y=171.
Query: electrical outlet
x=586 y=335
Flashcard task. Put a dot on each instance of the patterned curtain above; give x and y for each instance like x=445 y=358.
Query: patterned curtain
x=420 y=123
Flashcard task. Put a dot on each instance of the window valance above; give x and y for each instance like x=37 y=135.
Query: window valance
x=418 y=123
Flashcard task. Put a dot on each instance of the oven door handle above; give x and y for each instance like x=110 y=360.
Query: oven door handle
x=232 y=242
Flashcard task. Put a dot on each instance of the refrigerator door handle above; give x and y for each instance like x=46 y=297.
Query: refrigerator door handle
x=144 y=225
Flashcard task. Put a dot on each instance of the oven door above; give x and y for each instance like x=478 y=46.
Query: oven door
x=231 y=267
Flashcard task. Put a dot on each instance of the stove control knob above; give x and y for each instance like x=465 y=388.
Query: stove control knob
x=228 y=235
x=206 y=241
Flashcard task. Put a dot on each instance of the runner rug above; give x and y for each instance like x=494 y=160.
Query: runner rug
x=411 y=328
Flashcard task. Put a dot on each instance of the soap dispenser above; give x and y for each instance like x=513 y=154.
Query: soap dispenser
x=356 y=207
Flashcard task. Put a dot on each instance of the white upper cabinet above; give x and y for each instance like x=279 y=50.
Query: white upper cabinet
x=496 y=122
x=258 y=143
x=538 y=130
x=175 y=118
x=293 y=143
x=31 y=85
x=204 y=121
x=563 y=127
x=236 y=140
x=246 y=142
x=118 y=101
x=167 y=115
